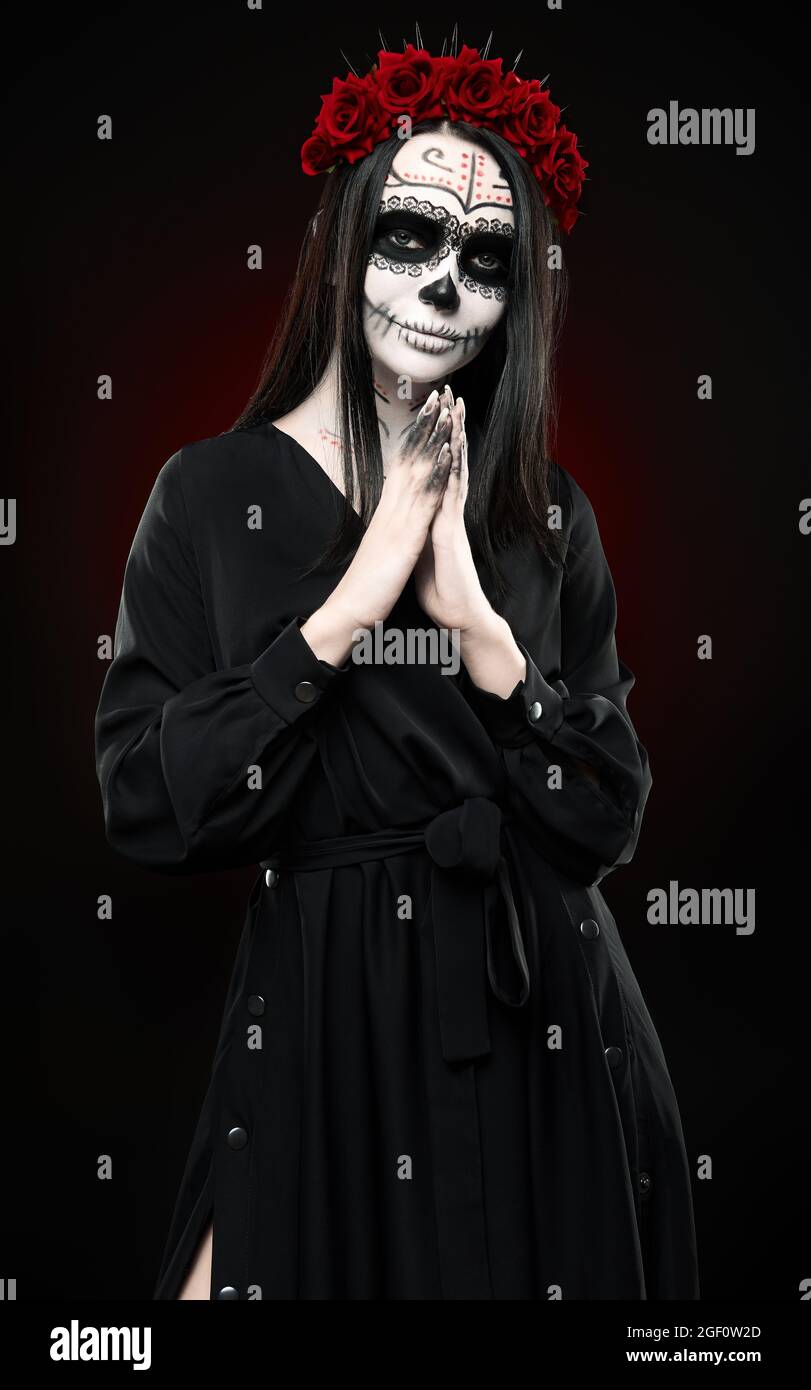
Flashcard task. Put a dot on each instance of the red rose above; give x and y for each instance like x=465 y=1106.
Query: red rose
x=561 y=169
x=474 y=88
x=566 y=217
x=317 y=154
x=531 y=117
x=410 y=83
x=351 y=119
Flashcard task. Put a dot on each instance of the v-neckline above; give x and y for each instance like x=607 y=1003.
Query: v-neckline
x=331 y=484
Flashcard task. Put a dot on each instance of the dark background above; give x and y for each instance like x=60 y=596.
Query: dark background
x=129 y=257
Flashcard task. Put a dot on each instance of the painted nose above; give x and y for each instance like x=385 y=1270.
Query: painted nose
x=443 y=293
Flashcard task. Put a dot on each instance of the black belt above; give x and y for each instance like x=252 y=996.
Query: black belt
x=468 y=866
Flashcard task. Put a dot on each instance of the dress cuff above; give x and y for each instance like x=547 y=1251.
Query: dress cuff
x=533 y=709
x=288 y=674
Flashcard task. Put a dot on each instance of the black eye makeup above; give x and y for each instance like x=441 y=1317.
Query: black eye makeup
x=407 y=236
x=486 y=256
x=414 y=235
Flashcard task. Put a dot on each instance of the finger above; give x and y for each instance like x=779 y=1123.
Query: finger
x=464 y=481
x=465 y=474
x=422 y=427
x=456 y=443
x=441 y=431
x=438 y=477
x=429 y=404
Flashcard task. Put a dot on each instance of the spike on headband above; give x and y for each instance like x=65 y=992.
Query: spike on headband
x=359 y=112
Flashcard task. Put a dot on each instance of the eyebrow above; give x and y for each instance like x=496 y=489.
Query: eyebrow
x=503 y=233
x=463 y=229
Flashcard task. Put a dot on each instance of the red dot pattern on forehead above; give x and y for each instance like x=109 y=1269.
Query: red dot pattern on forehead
x=470 y=174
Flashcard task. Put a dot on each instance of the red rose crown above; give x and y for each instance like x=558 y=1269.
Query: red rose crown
x=359 y=112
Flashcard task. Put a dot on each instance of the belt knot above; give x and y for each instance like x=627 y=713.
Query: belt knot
x=469 y=871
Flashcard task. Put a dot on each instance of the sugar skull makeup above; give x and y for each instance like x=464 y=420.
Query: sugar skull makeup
x=439 y=266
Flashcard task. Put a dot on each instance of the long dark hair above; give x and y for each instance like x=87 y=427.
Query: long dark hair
x=509 y=389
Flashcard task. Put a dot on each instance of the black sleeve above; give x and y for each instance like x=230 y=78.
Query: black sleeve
x=583 y=829
x=177 y=741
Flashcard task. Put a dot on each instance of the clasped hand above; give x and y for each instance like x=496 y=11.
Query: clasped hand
x=445 y=577
x=419 y=527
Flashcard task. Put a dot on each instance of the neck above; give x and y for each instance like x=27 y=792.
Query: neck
x=395 y=411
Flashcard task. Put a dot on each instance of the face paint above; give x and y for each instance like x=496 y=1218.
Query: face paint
x=438 y=275
x=416 y=235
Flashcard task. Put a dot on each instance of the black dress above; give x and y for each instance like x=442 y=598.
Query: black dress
x=436 y=1075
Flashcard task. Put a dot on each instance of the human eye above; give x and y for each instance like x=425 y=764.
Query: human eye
x=487 y=258
x=401 y=235
x=403 y=239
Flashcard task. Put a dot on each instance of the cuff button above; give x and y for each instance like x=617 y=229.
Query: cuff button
x=306 y=692
x=535 y=712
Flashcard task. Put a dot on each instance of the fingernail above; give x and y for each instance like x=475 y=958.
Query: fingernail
x=430 y=402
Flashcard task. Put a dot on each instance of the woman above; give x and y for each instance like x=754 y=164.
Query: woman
x=436 y=1075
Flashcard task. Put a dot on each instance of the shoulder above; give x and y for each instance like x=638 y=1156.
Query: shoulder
x=207 y=476
x=584 y=547
x=220 y=459
x=574 y=500
x=205 y=479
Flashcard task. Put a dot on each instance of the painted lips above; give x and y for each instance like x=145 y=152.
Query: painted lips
x=448 y=340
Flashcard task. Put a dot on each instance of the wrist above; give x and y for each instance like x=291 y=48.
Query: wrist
x=328 y=633
x=492 y=658
x=484 y=626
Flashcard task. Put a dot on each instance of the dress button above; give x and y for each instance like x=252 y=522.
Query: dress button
x=271 y=878
x=613 y=1056
x=535 y=711
x=306 y=692
x=237 y=1137
x=644 y=1183
x=256 y=1005
x=228 y=1292
x=590 y=928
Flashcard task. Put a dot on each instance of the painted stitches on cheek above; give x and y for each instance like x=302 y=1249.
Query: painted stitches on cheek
x=427 y=333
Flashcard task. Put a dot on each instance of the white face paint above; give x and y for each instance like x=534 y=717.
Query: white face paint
x=436 y=285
